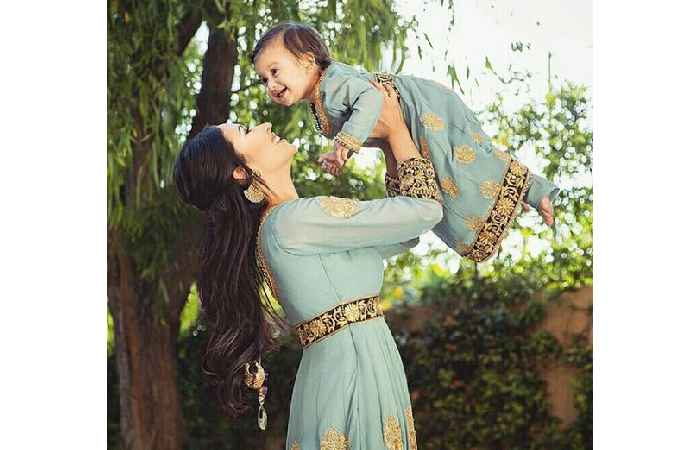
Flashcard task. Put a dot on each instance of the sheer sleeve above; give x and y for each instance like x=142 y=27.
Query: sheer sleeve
x=331 y=224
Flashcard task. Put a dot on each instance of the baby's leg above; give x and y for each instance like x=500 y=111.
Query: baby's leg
x=540 y=195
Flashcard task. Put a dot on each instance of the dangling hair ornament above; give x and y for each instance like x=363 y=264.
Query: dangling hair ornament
x=253 y=192
x=256 y=381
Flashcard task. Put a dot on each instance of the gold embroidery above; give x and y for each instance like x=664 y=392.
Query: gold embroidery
x=417 y=179
x=334 y=440
x=412 y=442
x=260 y=257
x=465 y=154
x=317 y=328
x=348 y=141
x=337 y=318
x=392 y=185
x=352 y=312
x=519 y=170
x=504 y=206
x=449 y=186
x=295 y=446
x=387 y=78
x=478 y=138
x=340 y=207
x=432 y=121
x=503 y=156
x=474 y=223
x=392 y=434
x=502 y=213
x=424 y=148
x=321 y=121
x=489 y=189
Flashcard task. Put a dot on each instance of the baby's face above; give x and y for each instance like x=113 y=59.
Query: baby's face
x=287 y=82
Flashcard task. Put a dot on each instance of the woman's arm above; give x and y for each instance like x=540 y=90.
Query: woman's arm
x=328 y=224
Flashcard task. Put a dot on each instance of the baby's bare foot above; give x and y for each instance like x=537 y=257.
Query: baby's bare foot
x=546 y=211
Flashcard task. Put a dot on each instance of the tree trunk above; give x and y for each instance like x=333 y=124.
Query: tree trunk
x=146 y=313
x=146 y=325
x=214 y=99
x=145 y=345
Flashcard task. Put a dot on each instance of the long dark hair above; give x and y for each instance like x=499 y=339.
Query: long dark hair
x=238 y=315
x=298 y=38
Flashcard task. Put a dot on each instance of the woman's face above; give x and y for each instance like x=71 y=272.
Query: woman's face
x=261 y=149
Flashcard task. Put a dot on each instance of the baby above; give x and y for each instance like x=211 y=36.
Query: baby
x=482 y=186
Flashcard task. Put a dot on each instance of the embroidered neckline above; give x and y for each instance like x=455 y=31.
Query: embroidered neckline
x=260 y=256
x=321 y=122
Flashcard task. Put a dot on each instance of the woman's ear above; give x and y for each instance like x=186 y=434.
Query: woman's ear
x=239 y=175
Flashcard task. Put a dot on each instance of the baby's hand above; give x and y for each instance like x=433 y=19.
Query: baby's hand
x=330 y=163
x=342 y=154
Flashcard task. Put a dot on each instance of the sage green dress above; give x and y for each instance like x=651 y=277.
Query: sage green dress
x=482 y=186
x=350 y=390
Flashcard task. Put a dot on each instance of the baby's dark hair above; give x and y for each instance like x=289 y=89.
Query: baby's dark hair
x=298 y=38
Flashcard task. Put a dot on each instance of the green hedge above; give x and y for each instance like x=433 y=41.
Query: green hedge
x=473 y=370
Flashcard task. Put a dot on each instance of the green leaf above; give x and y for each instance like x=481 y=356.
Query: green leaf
x=487 y=64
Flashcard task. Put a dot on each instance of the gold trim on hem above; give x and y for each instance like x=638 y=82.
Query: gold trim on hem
x=334 y=320
x=502 y=213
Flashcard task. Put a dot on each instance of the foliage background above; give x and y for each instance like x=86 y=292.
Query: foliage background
x=474 y=367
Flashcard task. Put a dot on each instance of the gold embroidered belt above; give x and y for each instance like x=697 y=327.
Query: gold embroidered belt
x=336 y=319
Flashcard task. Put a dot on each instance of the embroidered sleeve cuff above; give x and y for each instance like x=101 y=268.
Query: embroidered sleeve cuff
x=392 y=186
x=417 y=179
x=538 y=188
x=348 y=141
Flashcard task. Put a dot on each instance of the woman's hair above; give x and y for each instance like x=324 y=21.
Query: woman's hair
x=237 y=310
x=298 y=38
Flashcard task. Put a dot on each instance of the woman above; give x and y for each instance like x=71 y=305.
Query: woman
x=322 y=258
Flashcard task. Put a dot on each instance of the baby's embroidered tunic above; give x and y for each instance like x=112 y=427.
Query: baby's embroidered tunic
x=482 y=186
x=321 y=256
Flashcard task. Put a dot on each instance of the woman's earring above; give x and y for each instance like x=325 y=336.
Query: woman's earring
x=253 y=192
x=256 y=381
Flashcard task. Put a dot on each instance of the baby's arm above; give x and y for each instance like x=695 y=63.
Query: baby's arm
x=363 y=103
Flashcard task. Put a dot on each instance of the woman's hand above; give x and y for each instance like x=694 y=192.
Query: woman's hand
x=391 y=118
x=392 y=127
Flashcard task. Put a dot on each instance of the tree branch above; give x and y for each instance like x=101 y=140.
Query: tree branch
x=214 y=99
x=187 y=29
